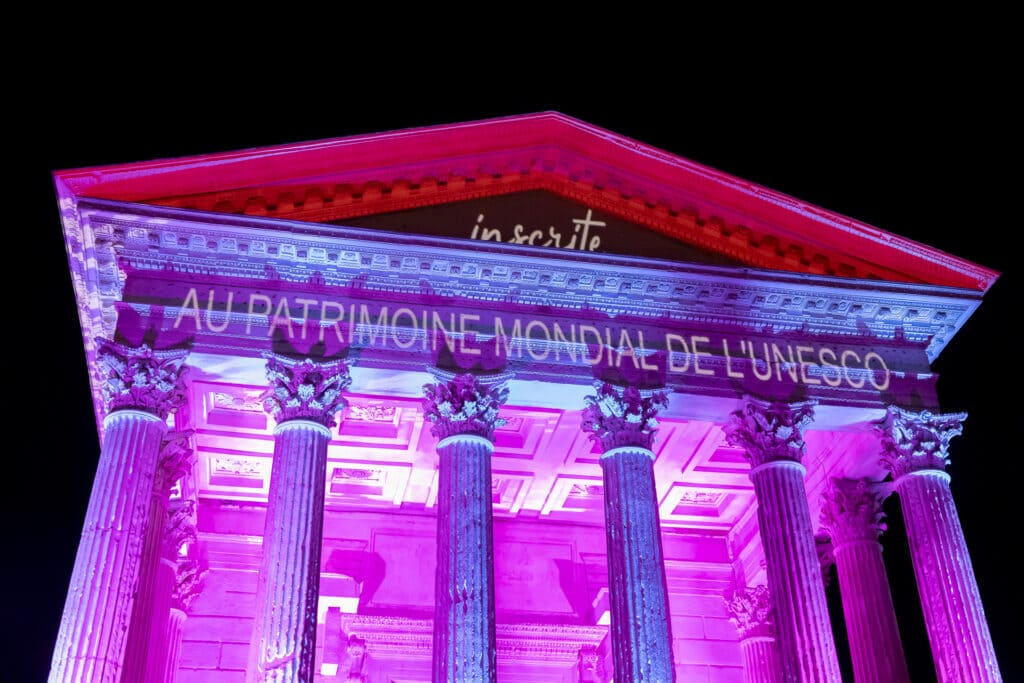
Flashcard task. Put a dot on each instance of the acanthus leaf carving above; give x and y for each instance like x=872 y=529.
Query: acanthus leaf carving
x=305 y=389
x=770 y=431
x=177 y=457
x=750 y=611
x=142 y=378
x=912 y=442
x=179 y=527
x=851 y=510
x=464 y=404
x=624 y=417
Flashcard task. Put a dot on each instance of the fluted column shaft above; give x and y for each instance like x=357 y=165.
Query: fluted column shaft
x=464 y=641
x=464 y=410
x=91 y=642
x=640 y=620
x=152 y=599
x=752 y=613
x=157 y=662
x=142 y=387
x=915 y=448
x=852 y=515
x=760 y=661
x=303 y=397
x=875 y=645
x=175 y=624
x=624 y=421
x=289 y=579
x=143 y=613
x=953 y=613
x=794 y=574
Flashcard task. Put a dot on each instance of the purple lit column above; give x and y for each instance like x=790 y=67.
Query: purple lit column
x=750 y=610
x=188 y=582
x=851 y=513
x=141 y=387
x=151 y=602
x=771 y=434
x=464 y=410
x=916 y=451
x=179 y=530
x=303 y=398
x=624 y=422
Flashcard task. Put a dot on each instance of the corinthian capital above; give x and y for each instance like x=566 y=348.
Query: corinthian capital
x=851 y=510
x=188 y=583
x=141 y=378
x=305 y=389
x=769 y=431
x=622 y=417
x=464 y=404
x=750 y=611
x=179 y=527
x=176 y=459
x=912 y=442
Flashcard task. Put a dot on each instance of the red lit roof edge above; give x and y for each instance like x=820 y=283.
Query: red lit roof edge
x=145 y=181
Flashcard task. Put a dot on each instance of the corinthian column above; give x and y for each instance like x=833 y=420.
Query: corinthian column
x=145 y=637
x=464 y=410
x=624 y=423
x=179 y=530
x=771 y=434
x=303 y=398
x=188 y=582
x=851 y=513
x=750 y=611
x=916 y=451
x=141 y=387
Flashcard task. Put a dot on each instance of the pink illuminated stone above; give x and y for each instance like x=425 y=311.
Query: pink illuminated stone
x=625 y=422
x=915 y=448
x=303 y=397
x=771 y=434
x=142 y=387
x=464 y=412
x=852 y=515
x=750 y=610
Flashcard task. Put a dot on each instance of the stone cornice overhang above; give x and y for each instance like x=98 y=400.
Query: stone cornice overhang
x=108 y=239
x=334 y=179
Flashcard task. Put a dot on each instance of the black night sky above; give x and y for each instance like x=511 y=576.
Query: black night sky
x=903 y=147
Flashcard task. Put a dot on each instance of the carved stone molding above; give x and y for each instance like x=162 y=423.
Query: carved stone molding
x=177 y=457
x=769 y=431
x=676 y=292
x=851 y=510
x=464 y=404
x=912 y=442
x=623 y=417
x=751 y=611
x=142 y=378
x=179 y=527
x=305 y=389
x=591 y=666
x=189 y=580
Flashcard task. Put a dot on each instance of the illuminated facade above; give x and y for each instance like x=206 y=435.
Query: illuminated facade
x=518 y=399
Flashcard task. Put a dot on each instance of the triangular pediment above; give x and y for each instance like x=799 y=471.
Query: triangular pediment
x=669 y=207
